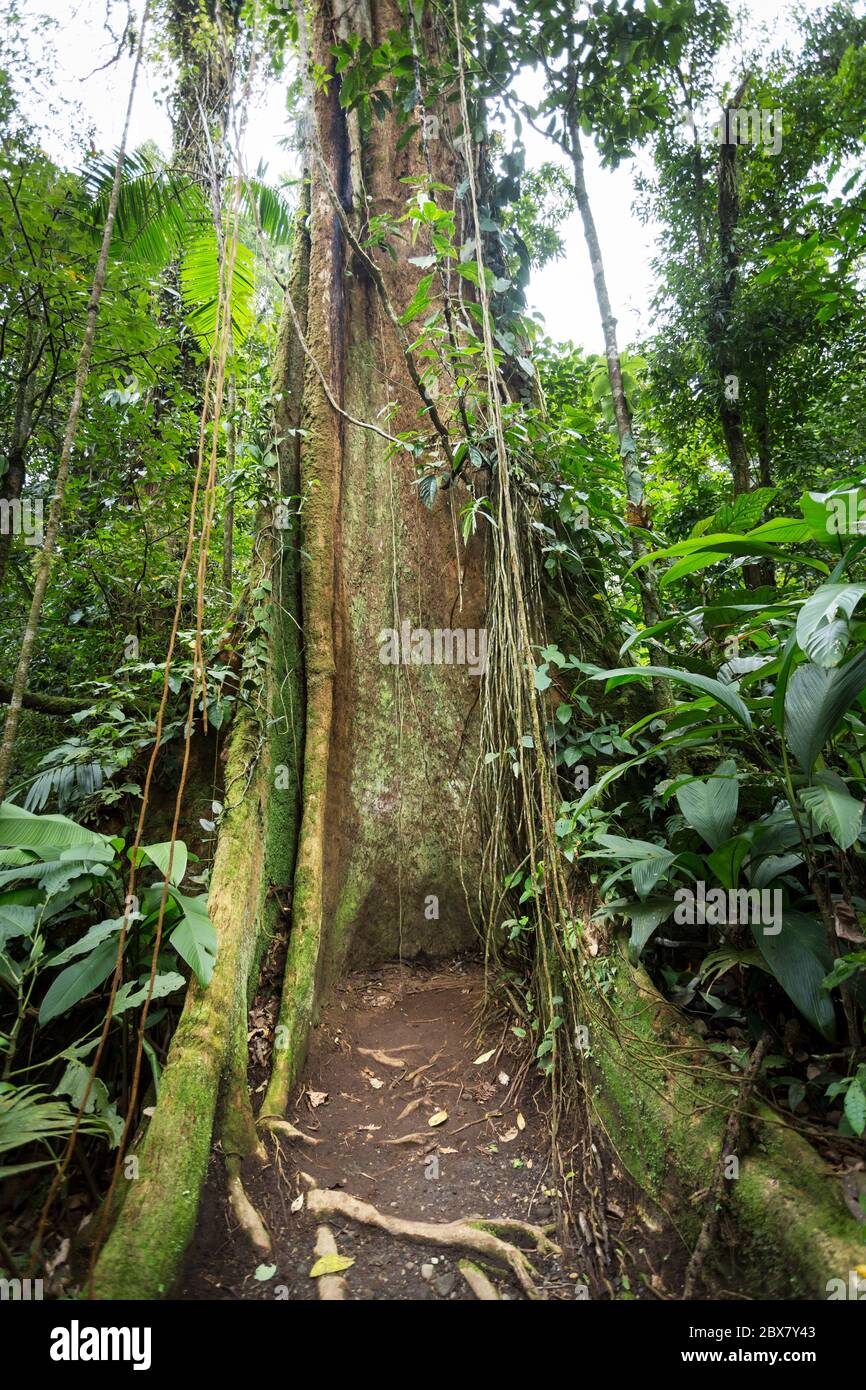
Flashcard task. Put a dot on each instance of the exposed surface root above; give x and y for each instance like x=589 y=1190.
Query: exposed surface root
x=245 y=1213
x=332 y=1287
x=470 y=1233
x=284 y=1127
x=483 y=1288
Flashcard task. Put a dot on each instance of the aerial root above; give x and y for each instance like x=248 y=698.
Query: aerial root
x=483 y=1288
x=274 y=1125
x=332 y=1287
x=245 y=1213
x=472 y=1233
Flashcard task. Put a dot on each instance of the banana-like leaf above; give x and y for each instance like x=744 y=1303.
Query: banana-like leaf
x=815 y=703
x=77 y=980
x=711 y=807
x=830 y=515
x=823 y=622
x=20 y=829
x=706 y=685
x=799 y=957
x=763 y=541
x=711 y=555
x=159 y=854
x=833 y=808
x=195 y=938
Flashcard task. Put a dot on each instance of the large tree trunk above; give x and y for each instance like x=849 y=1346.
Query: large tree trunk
x=206 y=58
x=388 y=748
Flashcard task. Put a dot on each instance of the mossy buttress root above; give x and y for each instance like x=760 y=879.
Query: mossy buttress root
x=157 y=1217
x=664 y=1102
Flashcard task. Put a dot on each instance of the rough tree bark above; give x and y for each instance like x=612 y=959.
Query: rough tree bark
x=729 y=211
x=388 y=760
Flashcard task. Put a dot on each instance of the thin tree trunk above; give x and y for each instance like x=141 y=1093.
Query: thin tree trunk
x=12 y=482
x=229 y=513
x=729 y=211
x=46 y=558
x=634 y=483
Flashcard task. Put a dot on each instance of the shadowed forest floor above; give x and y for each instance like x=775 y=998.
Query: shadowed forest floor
x=397 y=1049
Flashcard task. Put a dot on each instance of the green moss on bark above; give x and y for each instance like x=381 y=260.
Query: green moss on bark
x=144 y=1250
x=666 y=1122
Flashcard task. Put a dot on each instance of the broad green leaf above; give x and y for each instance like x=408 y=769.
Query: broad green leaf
x=195 y=938
x=645 y=917
x=93 y=937
x=744 y=549
x=821 y=632
x=541 y=678
x=78 y=980
x=830 y=515
x=23 y=830
x=727 y=861
x=711 y=807
x=855 y=1105
x=789 y=656
x=762 y=872
x=833 y=808
x=16 y=920
x=158 y=855
x=763 y=541
x=799 y=957
x=130 y=995
x=721 y=694
x=815 y=703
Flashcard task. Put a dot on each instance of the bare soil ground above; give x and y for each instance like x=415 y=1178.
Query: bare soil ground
x=411 y=1119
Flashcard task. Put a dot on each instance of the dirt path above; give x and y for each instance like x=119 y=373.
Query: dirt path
x=397 y=1049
